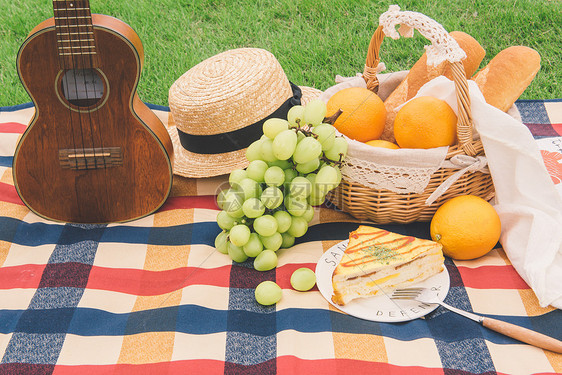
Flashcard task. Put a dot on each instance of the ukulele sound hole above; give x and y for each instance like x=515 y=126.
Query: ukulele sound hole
x=82 y=87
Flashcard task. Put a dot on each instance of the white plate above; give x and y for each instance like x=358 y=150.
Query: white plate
x=377 y=308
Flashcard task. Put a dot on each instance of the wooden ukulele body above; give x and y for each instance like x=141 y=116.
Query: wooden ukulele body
x=106 y=159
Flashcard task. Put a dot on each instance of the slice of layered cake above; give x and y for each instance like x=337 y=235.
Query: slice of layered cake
x=377 y=261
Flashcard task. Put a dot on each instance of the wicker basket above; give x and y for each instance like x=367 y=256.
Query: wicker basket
x=384 y=206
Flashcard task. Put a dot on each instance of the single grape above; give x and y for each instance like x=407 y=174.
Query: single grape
x=314 y=112
x=284 y=144
x=220 y=198
x=272 y=242
x=283 y=164
x=232 y=203
x=290 y=173
x=254 y=246
x=238 y=214
x=326 y=135
x=288 y=240
x=298 y=227
x=239 y=235
x=272 y=197
x=256 y=170
x=295 y=116
x=311 y=177
x=236 y=253
x=283 y=220
x=338 y=151
x=307 y=150
x=253 y=152
x=303 y=279
x=236 y=176
x=268 y=293
x=253 y=208
x=316 y=197
x=300 y=187
x=225 y=221
x=326 y=178
x=308 y=215
x=300 y=136
x=338 y=171
x=221 y=242
x=265 y=225
x=267 y=150
x=309 y=166
x=249 y=188
x=296 y=206
x=266 y=260
x=274 y=126
x=274 y=176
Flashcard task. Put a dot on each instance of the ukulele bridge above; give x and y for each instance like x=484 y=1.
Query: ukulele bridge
x=91 y=158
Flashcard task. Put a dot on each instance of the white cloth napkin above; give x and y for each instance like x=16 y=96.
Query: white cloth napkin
x=529 y=206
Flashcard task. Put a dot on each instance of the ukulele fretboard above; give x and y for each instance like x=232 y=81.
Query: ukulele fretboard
x=76 y=44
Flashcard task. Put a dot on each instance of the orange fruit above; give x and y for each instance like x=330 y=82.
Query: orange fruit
x=363 y=113
x=467 y=226
x=425 y=122
x=382 y=143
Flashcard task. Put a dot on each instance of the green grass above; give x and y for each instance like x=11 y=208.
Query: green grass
x=313 y=39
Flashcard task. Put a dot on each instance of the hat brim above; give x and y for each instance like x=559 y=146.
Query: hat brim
x=189 y=164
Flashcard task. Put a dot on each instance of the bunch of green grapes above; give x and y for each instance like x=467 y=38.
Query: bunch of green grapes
x=270 y=203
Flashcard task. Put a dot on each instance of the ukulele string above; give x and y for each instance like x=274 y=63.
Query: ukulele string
x=88 y=67
x=74 y=62
x=94 y=63
x=63 y=29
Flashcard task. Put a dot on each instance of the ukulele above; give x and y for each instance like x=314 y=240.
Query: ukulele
x=93 y=152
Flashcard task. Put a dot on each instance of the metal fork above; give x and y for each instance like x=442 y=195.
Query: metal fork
x=528 y=336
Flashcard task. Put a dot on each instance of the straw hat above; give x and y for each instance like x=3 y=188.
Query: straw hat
x=218 y=108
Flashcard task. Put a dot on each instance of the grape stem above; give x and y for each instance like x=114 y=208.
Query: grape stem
x=339 y=163
x=332 y=119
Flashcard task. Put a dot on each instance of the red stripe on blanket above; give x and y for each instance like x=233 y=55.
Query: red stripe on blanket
x=492 y=277
x=285 y=365
x=151 y=283
x=12 y=127
x=9 y=194
x=294 y=365
x=195 y=366
x=557 y=128
x=203 y=201
x=21 y=277
x=141 y=282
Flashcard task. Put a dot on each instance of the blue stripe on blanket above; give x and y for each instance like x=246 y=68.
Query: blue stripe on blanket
x=251 y=338
x=6 y=161
x=533 y=112
x=204 y=233
x=60 y=289
x=191 y=319
x=36 y=234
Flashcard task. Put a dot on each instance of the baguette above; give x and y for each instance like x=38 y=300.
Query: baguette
x=421 y=73
x=507 y=75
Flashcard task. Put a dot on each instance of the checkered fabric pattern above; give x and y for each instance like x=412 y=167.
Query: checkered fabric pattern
x=153 y=296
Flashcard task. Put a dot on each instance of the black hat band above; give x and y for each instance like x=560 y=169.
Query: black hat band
x=236 y=139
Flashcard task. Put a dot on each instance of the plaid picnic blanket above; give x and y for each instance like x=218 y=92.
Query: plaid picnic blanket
x=153 y=296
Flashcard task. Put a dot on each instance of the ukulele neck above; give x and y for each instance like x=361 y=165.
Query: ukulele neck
x=75 y=34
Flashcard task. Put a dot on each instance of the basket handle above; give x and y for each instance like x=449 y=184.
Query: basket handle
x=443 y=48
